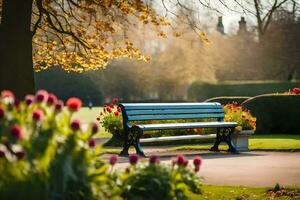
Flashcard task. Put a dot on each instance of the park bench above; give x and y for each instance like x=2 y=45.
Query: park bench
x=136 y=115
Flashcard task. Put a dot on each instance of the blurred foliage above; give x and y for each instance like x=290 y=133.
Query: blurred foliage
x=160 y=182
x=275 y=113
x=201 y=91
x=45 y=155
x=66 y=85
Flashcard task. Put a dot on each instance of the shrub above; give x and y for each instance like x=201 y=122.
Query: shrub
x=200 y=91
x=226 y=99
x=74 y=84
x=46 y=155
x=235 y=113
x=160 y=181
x=275 y=113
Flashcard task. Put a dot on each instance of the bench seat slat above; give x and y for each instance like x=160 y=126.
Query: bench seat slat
x=149 y=127
x=159 y=106
x=173 y=111
x=170 y=117
x=178 y=137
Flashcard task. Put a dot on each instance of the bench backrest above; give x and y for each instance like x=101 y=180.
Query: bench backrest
x=170 y=111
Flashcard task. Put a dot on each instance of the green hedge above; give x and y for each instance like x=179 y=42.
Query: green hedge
x=275 y=113
x=226 y=100
x=199 y=91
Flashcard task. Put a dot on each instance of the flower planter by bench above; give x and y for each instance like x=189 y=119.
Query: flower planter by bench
x=241 y=140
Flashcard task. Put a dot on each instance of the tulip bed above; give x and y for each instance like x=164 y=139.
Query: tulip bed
x=46 y=154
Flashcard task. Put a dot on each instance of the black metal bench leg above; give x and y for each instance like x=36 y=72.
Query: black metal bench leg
x=231 y=146
x=137 y=144
x=217 y=142
x=126 y=145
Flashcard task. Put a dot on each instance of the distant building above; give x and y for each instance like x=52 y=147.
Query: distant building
x=242 y=26
x=220 y=26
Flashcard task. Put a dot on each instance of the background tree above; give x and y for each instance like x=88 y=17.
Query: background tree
x=77 y=35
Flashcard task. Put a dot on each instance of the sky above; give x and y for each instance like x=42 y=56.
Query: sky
x=231 y=15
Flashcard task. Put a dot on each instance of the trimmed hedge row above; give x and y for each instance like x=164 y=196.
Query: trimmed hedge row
x=199 y=91
x=226 y=100
x=275 y=113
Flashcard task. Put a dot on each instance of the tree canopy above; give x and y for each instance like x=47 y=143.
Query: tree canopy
x=82 y=35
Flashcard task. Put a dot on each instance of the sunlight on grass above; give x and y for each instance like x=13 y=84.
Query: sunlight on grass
x=228 y=192
x=256 y=142
x=213 y=192
x=275 y=142
x=86 y=115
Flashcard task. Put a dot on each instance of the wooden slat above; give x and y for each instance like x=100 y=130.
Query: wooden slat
x=159 y=106
x=170 y=126
x=179 y=137
x=170 y=117
x=173 y=111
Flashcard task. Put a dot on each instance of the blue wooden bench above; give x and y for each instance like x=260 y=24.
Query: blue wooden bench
x=134 y=113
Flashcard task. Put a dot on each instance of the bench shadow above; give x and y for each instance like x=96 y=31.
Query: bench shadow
x=205 y=155
x=211 y=155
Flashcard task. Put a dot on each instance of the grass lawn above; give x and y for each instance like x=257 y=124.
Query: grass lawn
x=275 y=142
x=278 y=142
x=87 y=115
x=229 y=192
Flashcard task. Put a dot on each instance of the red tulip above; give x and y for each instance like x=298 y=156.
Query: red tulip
x=113 y=159
x=133 y=159
x=16 y=131
x=20 y=154
x=29 y=99
x=119 y=109
x=115 y=100
x=153 y=159
x=7 y=93
x=180 y=160
x=41 y=96
x=59 y=106
x=75 y=125
x=51 y=99
x=108 y=110
x=116 y=113
x=38 y=115
x=296 y=90
x=197 y=161
x=92 y=142
x=2 y=113
x=74 y=104
x=95 y=128
x=2 y=154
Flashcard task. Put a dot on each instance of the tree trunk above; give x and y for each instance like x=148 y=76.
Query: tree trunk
x=16 y=66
